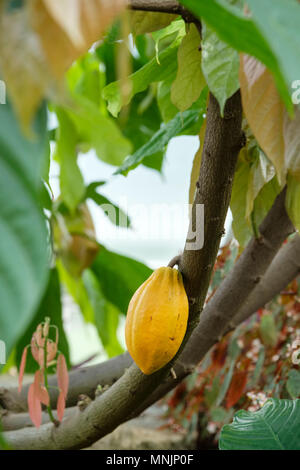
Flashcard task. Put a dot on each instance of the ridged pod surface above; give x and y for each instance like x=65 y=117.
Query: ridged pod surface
x=156 y=320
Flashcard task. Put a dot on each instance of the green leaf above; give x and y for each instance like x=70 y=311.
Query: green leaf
x=116 y=215
x=77 y=290
x=23 y=234
x=141 y=79
x=98 y=131
x=244 y=35
x=50 y=307
x=106 y=314
x=258 y=367
x=71 y=181
x=220 y=65
x=262 y=171
x=278 y=21
x=274 y=427
x=292 y=201
x=268 y=331
x=293 y=383
x=164 y=37
x=240 y=200
x=211 y=394
x=189 y=81
x=146 y=21
x=141 y=123
x=160 y=139
x=119 y=277
x=167 y=109
x=225 y=384
x=240 y=225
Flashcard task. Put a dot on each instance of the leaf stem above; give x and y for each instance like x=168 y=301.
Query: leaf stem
x=54 y=421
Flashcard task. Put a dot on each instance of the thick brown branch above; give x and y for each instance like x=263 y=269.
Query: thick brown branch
x=84 y=380
x=230 y=297
x=222 y=144
x=285 y=268
x=162 y=6
x=223 y=140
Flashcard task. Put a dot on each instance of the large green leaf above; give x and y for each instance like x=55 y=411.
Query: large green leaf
x=220 y=65
x=23 y=234
x=244 y=197
x=167 y=109
x=293 y=200
x=189 y=81
x=153 y=71
x=278 y=21
x=274 y=427
x=141 y=122
x=119 y=277
x=71 y=181
x=50 y=307
x=160 y=139
x=115 y=214
x=98 y=131
x=244 y=35
x=77 y=290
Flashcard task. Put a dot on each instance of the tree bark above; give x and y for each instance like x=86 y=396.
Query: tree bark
x=162 y=6
x=284 y=268
x=230 y=297
x=223 y=141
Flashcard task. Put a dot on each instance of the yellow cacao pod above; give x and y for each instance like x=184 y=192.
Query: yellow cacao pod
x=156 y=320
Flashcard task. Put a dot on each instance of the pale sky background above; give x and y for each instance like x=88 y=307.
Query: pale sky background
x=148 y=189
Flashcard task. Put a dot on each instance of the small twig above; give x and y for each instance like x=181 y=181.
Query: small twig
x=174 y=261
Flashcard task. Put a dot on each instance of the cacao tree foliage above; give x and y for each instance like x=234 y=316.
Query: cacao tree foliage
x=123 y=87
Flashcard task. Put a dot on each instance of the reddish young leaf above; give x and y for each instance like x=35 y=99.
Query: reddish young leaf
x=37 y=351
x=51 y=351
x=40 y=390
x=34 y=407
x=22 y=368
x=218 y=356
x=236 y=388
x=61 y=404
x=62 y=375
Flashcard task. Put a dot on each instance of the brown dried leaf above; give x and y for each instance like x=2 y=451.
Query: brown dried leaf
x=22 y=63
x=264 y=110
x=75 y=25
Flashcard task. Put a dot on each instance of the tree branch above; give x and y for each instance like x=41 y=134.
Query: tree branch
x=161 y=6
x=230 y=297
x=84 y=380
x=223 y=141
x=285 y=268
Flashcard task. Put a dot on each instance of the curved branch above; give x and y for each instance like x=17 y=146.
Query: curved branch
x=161 y=6
x=230 y=297
x=84 y=380
x=285 y=268
x=223 y=141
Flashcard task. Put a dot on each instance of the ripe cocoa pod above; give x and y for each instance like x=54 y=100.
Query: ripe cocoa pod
x=156 y=320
